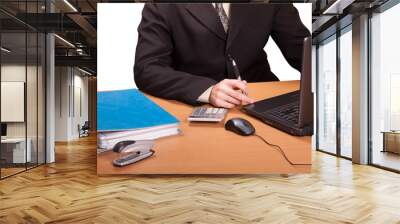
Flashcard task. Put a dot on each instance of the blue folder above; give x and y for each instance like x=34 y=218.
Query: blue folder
x=122 y=110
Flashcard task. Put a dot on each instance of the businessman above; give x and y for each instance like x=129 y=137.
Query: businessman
x=183 y=49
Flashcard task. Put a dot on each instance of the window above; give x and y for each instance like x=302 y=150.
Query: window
x=334 y=93
x=345 y=93
x=326 y=95
x=385 y=89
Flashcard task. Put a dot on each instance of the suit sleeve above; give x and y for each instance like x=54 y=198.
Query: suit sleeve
x=153 y=69
x=289 y=32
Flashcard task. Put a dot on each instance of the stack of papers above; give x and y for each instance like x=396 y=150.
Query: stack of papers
x=130 y=115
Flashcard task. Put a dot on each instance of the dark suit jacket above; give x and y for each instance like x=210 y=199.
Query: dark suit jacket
x=182 y=48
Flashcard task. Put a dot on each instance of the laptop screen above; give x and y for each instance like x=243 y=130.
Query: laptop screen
x=306 y=96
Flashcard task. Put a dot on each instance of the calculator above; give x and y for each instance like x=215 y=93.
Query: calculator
x=208 y=114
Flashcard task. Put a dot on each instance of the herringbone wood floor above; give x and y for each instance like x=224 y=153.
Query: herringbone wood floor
x=69 y=191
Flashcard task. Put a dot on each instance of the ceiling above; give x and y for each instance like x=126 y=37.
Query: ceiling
x=74 y=22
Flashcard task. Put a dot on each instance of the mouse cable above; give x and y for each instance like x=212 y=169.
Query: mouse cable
x=281 y=151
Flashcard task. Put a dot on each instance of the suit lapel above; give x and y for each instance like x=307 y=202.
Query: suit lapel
x=207 y=16
x=236 y=22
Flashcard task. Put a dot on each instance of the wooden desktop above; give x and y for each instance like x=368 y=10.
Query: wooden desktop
x=207 y=148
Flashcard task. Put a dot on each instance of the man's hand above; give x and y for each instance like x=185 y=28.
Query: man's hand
x=229 y=93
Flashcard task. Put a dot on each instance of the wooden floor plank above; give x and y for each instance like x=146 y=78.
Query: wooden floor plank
x=69 y=191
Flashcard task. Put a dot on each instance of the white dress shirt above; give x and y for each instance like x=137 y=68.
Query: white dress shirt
x=205 y=96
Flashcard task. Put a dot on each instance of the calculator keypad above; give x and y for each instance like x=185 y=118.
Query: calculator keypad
x=208 y=112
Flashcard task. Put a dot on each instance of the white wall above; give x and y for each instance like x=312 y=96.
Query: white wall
x=117 y=44
x=62 y=81
x=70 y=84
x=81 y=84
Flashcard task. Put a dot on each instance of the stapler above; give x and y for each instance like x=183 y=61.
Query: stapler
x=132 y=151
x=132 y=145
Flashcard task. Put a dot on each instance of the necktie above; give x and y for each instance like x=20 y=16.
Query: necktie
x=222 y=16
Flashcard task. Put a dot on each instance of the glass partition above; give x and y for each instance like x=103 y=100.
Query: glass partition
x=22 y=67
x=13 y=104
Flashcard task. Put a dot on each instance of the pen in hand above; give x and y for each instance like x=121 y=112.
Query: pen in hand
x=236 y=71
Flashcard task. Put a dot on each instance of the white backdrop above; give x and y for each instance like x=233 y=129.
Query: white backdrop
x=117 y=37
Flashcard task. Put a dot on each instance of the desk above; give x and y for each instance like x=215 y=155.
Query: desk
x=206 y=148
x=391 y=141
x=18 y=151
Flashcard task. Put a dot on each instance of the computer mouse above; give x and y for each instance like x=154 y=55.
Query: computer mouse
x=240 y=126
x=131 y=145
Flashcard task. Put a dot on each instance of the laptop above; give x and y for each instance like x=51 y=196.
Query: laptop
x=291 y=112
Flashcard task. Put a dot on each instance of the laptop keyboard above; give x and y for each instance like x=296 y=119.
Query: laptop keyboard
x=289 y=112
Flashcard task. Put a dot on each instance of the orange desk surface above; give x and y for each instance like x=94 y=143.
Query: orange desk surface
x=207 y=148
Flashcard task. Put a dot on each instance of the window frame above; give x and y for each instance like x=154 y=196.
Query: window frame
x=339 y=32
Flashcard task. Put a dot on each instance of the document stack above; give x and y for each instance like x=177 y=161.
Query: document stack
x=130 y=115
